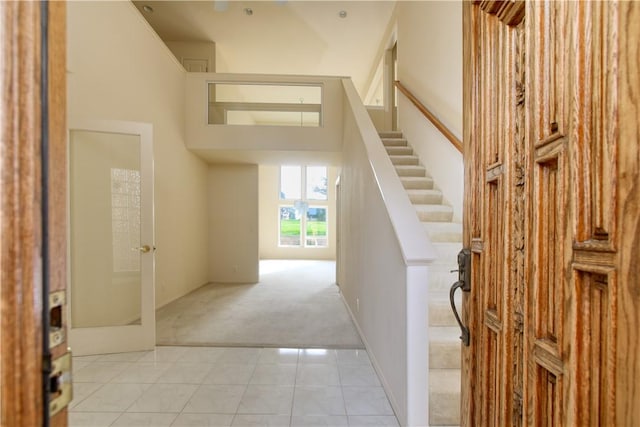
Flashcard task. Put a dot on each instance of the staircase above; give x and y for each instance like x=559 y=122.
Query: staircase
x=446 y=236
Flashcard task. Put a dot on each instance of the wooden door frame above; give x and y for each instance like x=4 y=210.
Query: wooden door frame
x=21 y=202
x=628 y=327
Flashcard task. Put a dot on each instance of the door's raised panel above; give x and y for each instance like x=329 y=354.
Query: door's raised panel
x=548 y=398
x=549 y=70
x=489 y=88
x=491 y=380
x=593 y=347
x=549 y=213
x=595 y=123
x=494 y=267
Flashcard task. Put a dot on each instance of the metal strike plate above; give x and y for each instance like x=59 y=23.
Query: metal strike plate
x=60 y=387
x=56 y=313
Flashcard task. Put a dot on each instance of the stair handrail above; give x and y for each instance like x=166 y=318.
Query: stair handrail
x=430 y=116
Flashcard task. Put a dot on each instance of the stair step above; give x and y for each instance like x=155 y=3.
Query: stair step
x=404 y=160
x=444 y=396
x=394 y=142
x=444 y=347
x=411 y=170
x=391 y=134
x=444 y=333
x=417 y=182
x=443 y=231
x=440 y=282
x=399 y=151
x=440 y=313
x=425 y=197
x=433 y=213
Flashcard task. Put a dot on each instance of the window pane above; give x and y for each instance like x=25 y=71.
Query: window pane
x=289 y=226
x=290 y=182
x=317 y=182
x=316 y=226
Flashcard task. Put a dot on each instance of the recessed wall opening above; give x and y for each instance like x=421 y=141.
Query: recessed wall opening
x=262 y=104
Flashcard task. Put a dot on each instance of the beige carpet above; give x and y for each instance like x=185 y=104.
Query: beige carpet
x=295 y=304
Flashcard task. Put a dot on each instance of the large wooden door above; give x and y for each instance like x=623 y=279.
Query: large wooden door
x=552 y=213
x=33 y=214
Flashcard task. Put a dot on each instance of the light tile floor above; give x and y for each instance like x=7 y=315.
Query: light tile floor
x=214 y=386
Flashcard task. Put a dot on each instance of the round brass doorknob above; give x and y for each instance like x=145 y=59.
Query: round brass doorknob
x=144 y=249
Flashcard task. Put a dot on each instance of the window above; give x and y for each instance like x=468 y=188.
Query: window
x=303 y=211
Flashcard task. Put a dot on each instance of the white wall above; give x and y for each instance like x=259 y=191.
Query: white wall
x=382 y=265
x=233 y=224
x=377 y=117
x=119 y=69
x=269 y=217
x=430 y=65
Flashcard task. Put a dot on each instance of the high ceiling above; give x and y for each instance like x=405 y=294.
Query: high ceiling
x=280 y=36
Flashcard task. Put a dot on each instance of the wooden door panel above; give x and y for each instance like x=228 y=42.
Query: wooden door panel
x=551 y=212
x=21 y=324
x=494 y=240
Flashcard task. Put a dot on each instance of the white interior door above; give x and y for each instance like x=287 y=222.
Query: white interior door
x=111 y=239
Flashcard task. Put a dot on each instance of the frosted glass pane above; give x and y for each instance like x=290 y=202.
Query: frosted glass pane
x=104 y=229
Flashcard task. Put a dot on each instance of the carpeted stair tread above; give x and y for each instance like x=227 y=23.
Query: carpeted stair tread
x=404 y=159
x=444 y=396
x=394 y=142
x=444 y=347
x=399 y=150
x=433 y=213
x=391 y=134
x=417 y=182
x=425 y=197
x=410 y=170
x=444 y=231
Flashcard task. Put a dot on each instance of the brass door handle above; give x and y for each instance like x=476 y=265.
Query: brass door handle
x=146 y=248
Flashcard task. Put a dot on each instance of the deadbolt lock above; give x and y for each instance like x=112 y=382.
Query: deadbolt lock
x=60 y=387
